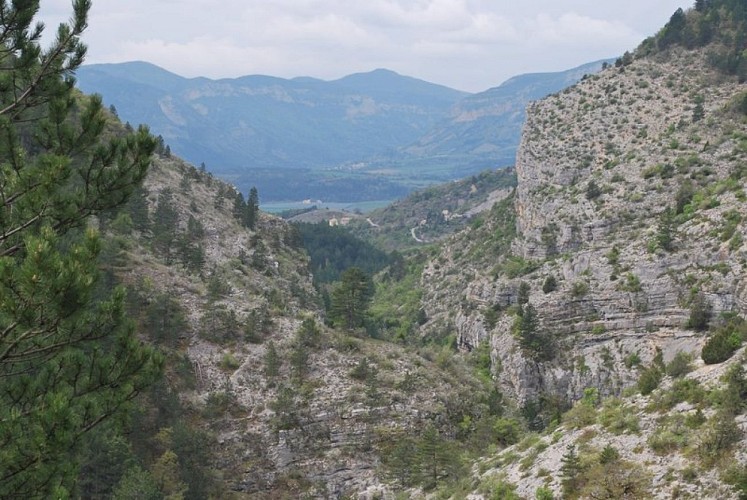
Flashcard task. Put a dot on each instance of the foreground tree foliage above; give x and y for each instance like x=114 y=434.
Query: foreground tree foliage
x=68 y=358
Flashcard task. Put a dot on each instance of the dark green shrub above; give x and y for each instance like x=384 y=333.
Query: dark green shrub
x=593 y=191
x=543 y=493
x=720 y=346
x=736 y=475
x=719 y=435
x=700 y=312
x=490 y=317
x=363 y=370
x=550 y=284
x=523 y=293
x=579 y=289
x=608 y=455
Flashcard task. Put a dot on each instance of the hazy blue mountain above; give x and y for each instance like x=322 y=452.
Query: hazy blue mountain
x=261 y=121
x=372 y=135
x=484 y=129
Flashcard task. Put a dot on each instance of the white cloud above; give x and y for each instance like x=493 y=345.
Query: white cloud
x=468 y=44
x=572 y=28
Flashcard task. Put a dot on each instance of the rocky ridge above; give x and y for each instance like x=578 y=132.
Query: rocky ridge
x=598 y=165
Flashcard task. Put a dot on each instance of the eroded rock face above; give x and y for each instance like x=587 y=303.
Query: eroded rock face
x=599 y=164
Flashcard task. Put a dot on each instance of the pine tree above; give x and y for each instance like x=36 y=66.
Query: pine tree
x=137 y=208
x=239 y=208
x=272 y=361
x=350 y=298
x=436 y=459
x=570 y=470
x=538 y=345
x=665 y=231
x=165 y=225
x=299 y=361
x=401 y=462
x=68 y=358
x=137 y=483
x=189 y=245
x=523 y=293
x=701 y=311
x=252 y=208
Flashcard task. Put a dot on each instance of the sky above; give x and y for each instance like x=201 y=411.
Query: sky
x=470 y=45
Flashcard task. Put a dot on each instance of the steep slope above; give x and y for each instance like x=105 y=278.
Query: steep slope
x=278 y=404
x=630 y=197
x=619 y=259
x=679 y=442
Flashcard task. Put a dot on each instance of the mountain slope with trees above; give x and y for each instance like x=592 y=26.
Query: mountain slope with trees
x=616 y=269
x=581 y=337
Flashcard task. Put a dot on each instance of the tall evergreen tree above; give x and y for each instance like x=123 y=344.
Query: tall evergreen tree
x=165 y=225
x=436 y=458
x=239 y=208
x=272 y=361
x=350 y=298
x=68 y=359
x=252 y=208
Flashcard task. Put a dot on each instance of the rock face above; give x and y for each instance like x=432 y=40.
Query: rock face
x=315 y=426
x=630 y=195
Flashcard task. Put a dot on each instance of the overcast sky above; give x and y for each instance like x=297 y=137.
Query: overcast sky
x=470 y=45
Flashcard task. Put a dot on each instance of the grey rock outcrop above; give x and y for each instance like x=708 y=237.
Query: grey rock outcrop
x=602 y=206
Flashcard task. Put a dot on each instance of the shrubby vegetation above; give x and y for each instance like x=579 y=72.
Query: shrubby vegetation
x=724 y=340
x=722 y=23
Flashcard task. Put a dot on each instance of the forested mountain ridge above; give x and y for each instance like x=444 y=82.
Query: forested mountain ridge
x=430 y=215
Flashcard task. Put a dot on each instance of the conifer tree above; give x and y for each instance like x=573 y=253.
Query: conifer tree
x=570 y=470
x=252 y=208
x=350 y=298
x=436 y=458
x=165 y=225
x=239 y=208
x=68 y=358
x=272 y=361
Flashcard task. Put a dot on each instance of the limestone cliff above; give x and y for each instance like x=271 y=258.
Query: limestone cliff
x=630 y=195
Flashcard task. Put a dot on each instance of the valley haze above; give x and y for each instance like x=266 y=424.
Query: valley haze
x=364 y=137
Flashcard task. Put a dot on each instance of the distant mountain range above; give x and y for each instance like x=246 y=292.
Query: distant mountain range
x=370 y=135
x=484 y=129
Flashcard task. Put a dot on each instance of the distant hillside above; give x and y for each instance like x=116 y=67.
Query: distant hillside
x=484 y=129
x=430 y=215
x=367 y=136
x=261 y=122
